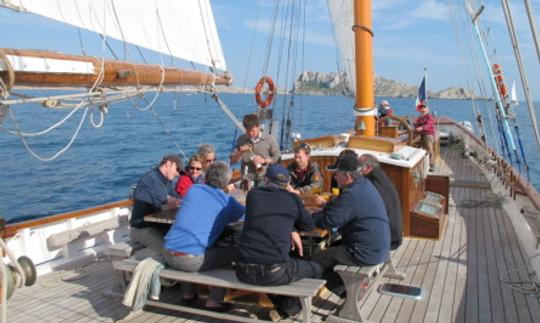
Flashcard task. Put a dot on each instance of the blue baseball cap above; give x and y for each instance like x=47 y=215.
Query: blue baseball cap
x=278 y=173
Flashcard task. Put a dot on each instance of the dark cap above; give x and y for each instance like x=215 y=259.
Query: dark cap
x=347 y=163
x=278 y=174
x=173 y=158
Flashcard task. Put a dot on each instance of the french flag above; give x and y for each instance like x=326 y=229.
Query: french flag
x=421 y=98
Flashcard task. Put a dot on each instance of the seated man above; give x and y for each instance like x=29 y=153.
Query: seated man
x=272 y=216
x=207 y=154
x=361 y=219
x=189 y=245
x=372 y=171
x=305 y=174
x=153 y=191
x=255 y=151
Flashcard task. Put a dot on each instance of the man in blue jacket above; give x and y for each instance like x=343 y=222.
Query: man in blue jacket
x=360 y=217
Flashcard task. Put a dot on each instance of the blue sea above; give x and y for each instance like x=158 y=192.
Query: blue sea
x=103 y=163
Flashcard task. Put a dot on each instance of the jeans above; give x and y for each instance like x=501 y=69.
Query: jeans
x=327 y=259
x=214 y=257
x=279 y=274
x=150 y=237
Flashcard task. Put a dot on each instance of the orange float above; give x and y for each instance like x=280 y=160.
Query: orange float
x=259 y=89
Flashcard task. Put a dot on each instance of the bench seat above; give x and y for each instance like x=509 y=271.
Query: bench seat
x=305 y=289
x=358 y=282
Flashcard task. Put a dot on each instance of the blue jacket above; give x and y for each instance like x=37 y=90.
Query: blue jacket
x=360 y=216
x=204 y=213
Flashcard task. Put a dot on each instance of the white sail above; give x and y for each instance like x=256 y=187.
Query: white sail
x=181 y=28
x=342 y=16
x=513 y=96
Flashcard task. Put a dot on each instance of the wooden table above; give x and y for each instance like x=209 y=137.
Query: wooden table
x=168 y=216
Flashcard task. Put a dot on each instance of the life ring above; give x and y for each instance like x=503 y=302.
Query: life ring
x=499 y=80
x=271 y=91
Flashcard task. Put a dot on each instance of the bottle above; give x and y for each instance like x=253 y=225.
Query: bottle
x=245 y=180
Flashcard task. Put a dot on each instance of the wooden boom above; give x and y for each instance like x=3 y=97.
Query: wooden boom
x=38 y=68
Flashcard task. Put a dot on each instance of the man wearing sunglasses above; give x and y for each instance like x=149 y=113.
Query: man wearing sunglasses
x=207 y=154
x=154 y=191
x=255 y=150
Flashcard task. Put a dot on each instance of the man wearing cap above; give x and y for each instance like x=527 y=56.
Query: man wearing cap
x=255 y=150
x=425 y=126
x=273 y=215
x=360 y=217
x=154 y=190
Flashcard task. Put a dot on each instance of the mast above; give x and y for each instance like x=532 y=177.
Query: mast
x=515 y=45
x=534 y=30
x=38 y=68
x=365 y=101
x=506 y=127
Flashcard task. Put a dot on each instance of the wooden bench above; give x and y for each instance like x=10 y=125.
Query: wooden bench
x=358 y=282
x=305 y=289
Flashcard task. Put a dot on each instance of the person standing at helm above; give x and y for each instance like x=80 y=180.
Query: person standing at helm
x=255 y=150
x=425 y=126
x=385 y=109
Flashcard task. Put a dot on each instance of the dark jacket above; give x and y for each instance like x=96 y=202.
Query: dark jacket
x=390 y=196
x=271 y=215
x=306 y=181
x=149 y=195
x=360 y=216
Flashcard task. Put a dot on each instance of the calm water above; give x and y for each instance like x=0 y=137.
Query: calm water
x=103 y=163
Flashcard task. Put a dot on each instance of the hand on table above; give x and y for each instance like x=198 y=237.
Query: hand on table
x=173 y=202
x=319 y=200
x=292 y=190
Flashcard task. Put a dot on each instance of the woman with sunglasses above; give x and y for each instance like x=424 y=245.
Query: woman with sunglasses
x=193 y=174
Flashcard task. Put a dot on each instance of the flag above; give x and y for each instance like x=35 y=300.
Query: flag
x=421 y=98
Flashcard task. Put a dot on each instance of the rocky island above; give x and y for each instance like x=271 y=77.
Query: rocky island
x=316 y=83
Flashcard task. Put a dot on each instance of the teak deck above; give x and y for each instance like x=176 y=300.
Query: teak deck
x=460 y=274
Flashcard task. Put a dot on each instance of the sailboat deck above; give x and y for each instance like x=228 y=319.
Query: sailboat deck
x=460 y=273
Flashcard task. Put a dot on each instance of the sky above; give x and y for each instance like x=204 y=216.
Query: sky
x=408 y=37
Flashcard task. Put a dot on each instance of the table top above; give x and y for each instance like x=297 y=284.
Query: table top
x=168 y=216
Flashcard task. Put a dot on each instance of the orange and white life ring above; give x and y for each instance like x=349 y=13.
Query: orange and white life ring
x=270 y=92
x=499 y=80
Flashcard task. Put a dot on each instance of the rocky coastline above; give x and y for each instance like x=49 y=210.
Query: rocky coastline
x=317 y=83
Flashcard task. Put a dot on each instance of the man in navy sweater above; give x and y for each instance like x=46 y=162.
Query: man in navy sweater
x=360 y=217
x=273 y=215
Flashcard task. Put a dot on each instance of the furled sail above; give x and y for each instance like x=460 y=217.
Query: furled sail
x=184 y=29
x=342 y=16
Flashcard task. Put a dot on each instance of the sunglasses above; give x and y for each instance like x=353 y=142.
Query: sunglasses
x=195 y=168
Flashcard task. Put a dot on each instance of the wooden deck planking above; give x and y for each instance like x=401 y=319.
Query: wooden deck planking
x=527 y=307
x=405 y=265
x=509 y=308
x=460 y=274
x=447 y=295
x=370 y=302
x=458 y=313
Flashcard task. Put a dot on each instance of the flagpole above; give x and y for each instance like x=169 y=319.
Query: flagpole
x=425 y=85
